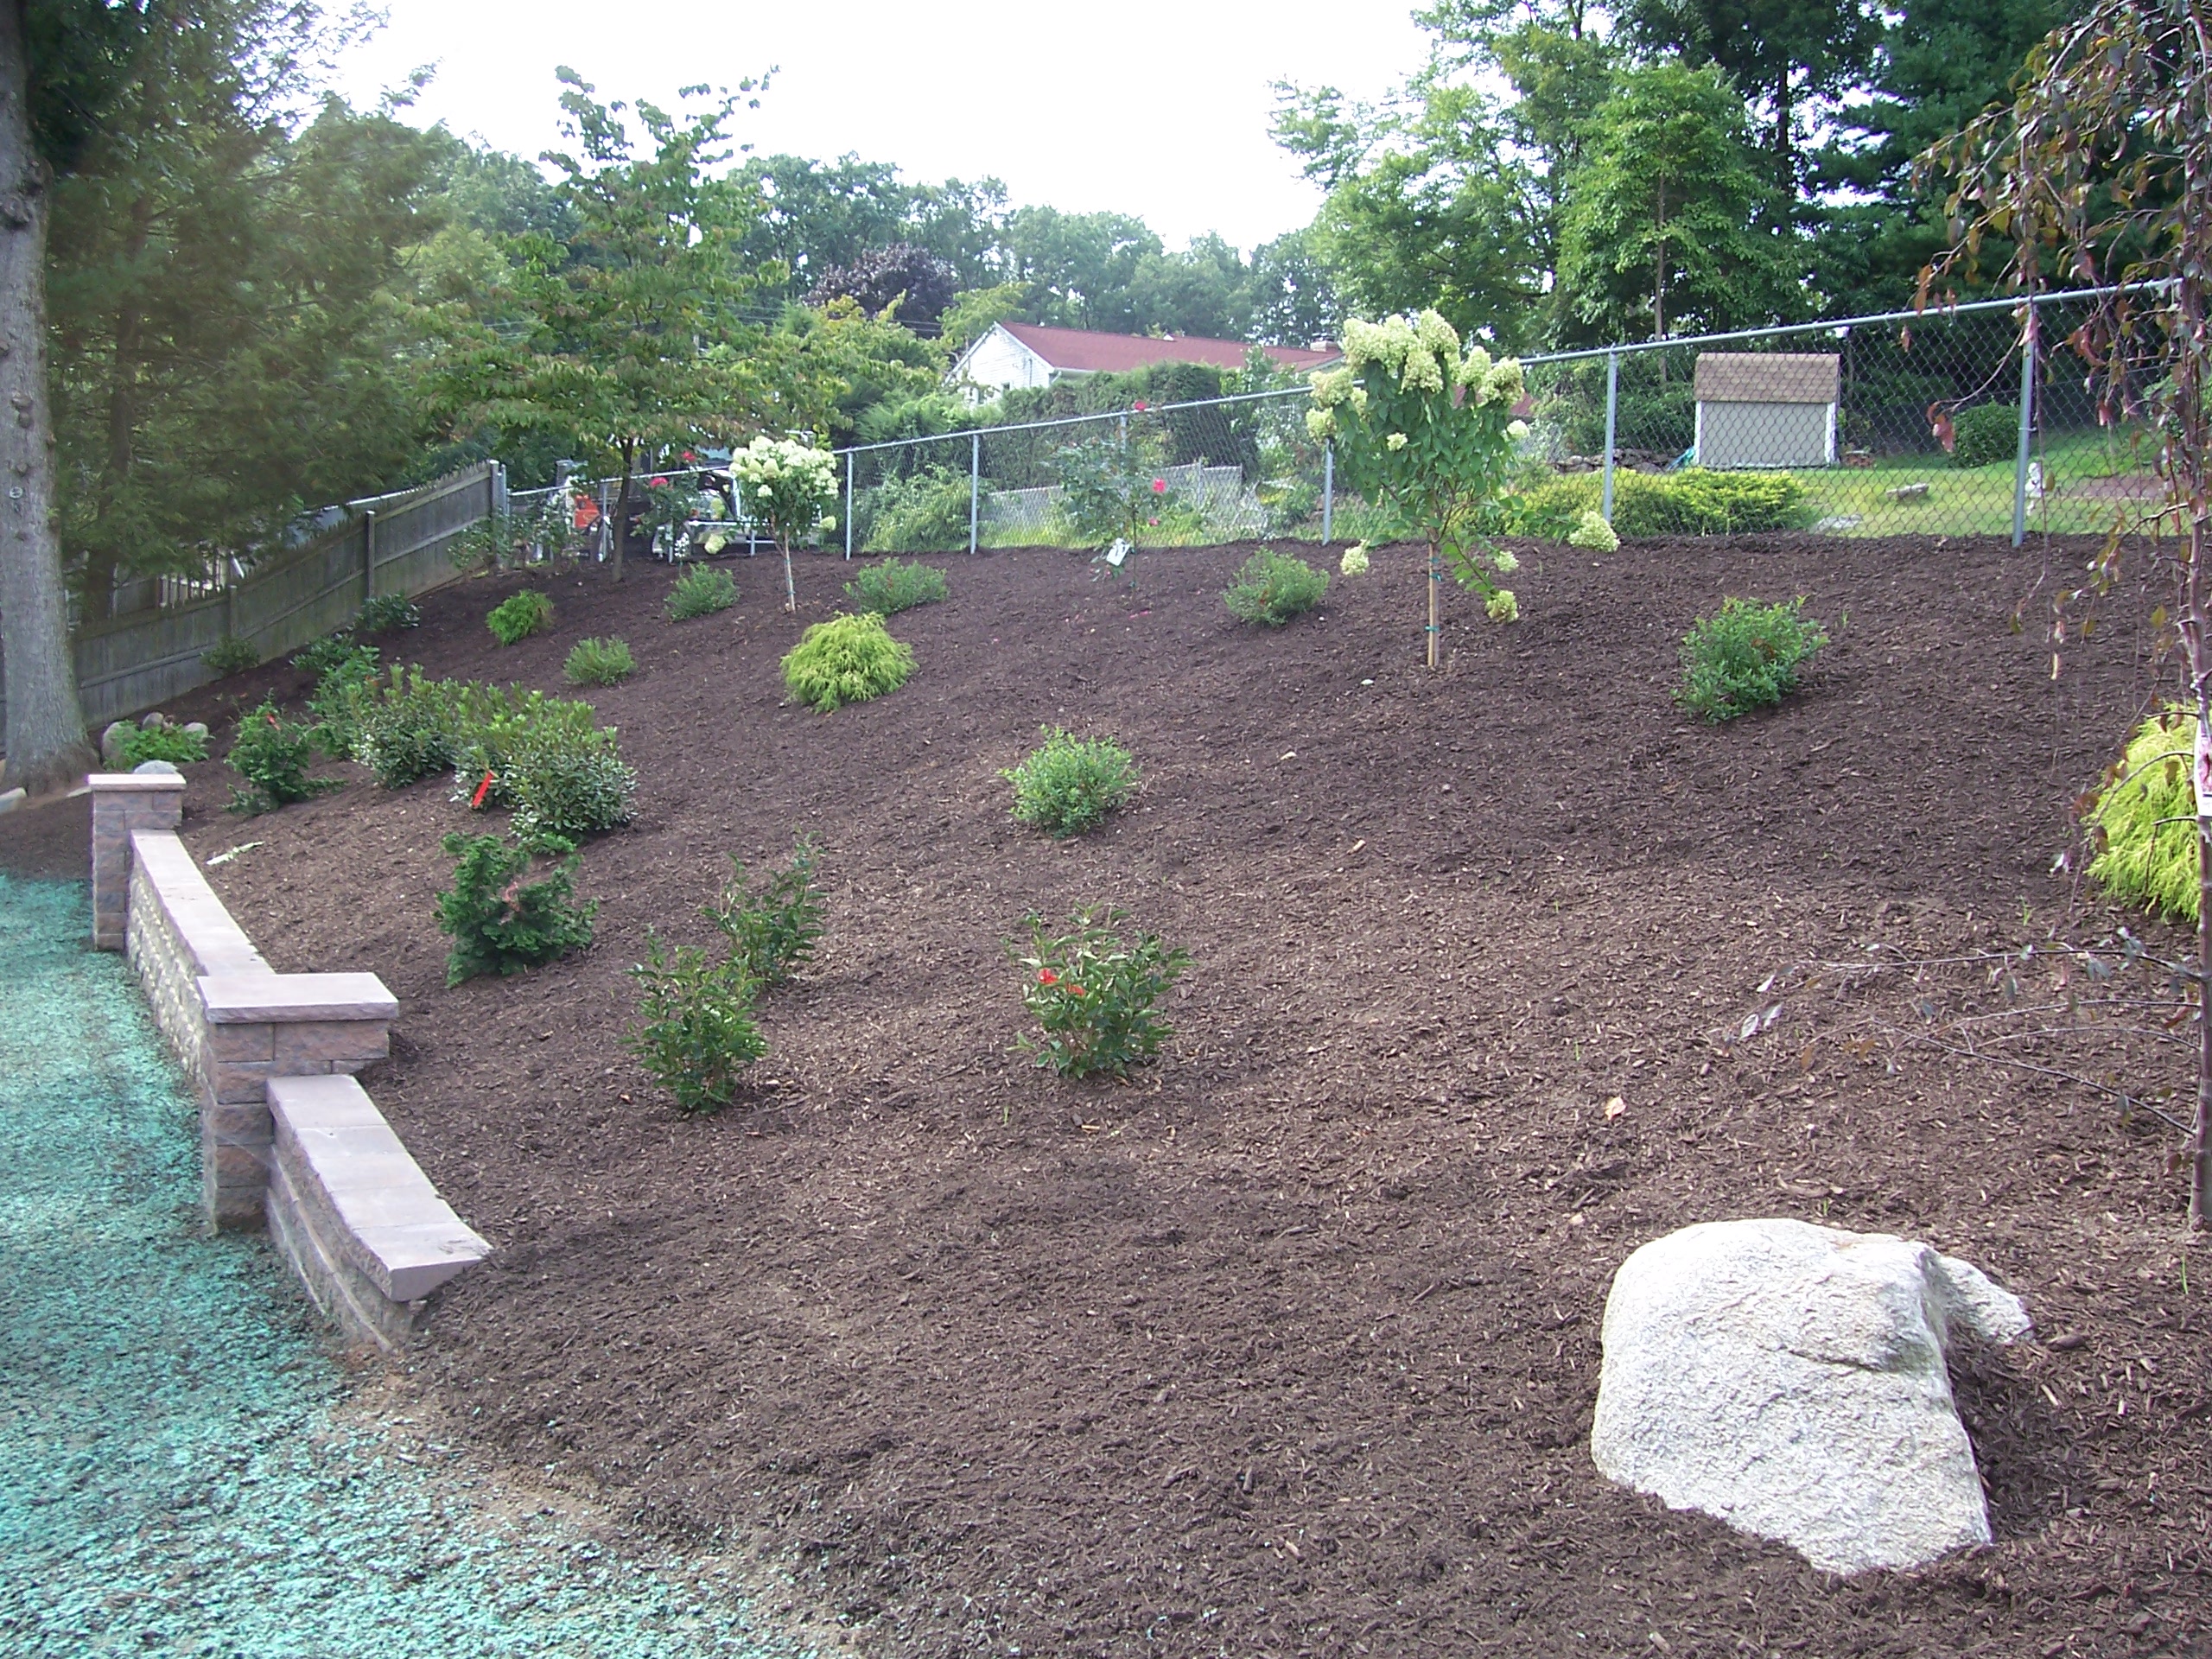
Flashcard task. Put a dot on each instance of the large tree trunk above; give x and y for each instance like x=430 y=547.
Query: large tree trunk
x=47 y=748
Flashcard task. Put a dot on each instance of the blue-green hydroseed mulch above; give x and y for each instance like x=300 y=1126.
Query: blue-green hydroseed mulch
x=178 y=1473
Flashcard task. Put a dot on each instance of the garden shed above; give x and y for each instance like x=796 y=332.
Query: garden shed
x=1767 y=408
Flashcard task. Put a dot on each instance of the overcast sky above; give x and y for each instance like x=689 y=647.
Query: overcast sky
x=1152 y=107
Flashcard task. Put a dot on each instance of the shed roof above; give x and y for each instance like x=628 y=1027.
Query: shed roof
x=1768 y=377
x=1081 y=351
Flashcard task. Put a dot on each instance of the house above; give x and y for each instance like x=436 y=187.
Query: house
x=1767 y=408
x=1028 y=354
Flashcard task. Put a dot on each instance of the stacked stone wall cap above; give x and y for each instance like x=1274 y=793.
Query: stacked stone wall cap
x=1791 y=1380
x=259 y=999
x=119 y=783
x=399 y=1228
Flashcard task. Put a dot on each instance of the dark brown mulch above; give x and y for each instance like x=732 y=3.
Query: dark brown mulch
x=1290 y=1346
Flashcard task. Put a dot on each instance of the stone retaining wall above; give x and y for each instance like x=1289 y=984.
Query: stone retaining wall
x=288 y=1139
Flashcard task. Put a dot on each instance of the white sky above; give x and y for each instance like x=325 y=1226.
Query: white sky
x=1149 y=107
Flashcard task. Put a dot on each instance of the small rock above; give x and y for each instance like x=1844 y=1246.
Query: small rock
x=155 y=722
x=1908 y=492
x=1791 y=1380
x=157 y=767
x=10 y=799
x=195 y=728
x=112 y=743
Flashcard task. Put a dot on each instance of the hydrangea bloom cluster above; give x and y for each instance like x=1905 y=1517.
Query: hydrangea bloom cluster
x=790 y=485
x=1591 y=530
x=1354 y=562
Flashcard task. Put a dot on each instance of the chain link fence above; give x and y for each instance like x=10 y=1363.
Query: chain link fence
x=1964 y=420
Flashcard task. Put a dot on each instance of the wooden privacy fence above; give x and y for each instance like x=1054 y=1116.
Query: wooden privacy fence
x=397 y=543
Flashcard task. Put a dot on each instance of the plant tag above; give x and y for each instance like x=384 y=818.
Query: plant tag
x=1118 y=552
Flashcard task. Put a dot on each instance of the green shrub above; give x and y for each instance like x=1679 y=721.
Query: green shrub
x=500 y=924
x=1069 y=783
x=2145 y=819
x=1692 y=502
x=925 y=513
x=566 y=784
x=515 y=619
x=345 y=675
x=701 y=592
x=1272 y=587
x=599 y=661
x=773 y=933
x=1986 y=434
x=271 y=754
x=1093 y=993
x=1746 y=658
x=319 y=657
x=895 y=585
x=230 y=655
x=846 y=660
x=170 y=743
x=490 y=720
x=406 y=728
x=386 y=611
x=698 y=1034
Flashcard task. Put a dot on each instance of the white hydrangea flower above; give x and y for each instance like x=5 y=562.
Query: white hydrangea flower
x=1503 y=383
x=1506 y=564
x=1395 y=441
x=1591 y=531
x=1332 y=386
x=1502 y=606
x=1321 y=424
x=1517 y=430
x=1440 y=337
x=1473 y=368
x=1354 y=562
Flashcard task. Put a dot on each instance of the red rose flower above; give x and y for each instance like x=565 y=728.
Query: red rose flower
x=1159 y=486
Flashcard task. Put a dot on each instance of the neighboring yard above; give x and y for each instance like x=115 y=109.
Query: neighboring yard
x=1289 y=1346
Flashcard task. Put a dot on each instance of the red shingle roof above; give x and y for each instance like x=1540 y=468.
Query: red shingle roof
x=1078 y=350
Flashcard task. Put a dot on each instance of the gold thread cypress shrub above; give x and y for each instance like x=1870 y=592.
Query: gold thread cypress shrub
x=846 y=660
x=2146 y=819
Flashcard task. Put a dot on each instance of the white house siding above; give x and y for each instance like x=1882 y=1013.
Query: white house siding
x=999 y=359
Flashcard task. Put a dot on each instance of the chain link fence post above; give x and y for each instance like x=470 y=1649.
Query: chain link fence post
x=1612 y=417
x=849 y=504
x=1328 y=489
x=2027 y=425
x=975 y=484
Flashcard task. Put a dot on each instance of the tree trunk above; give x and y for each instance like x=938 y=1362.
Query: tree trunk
x=1435 y=583
x=1659 y=273
x=1785 y=141
x=47 y=750
x=2199 y=685
x=621 y=529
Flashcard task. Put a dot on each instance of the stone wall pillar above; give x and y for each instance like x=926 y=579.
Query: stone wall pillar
x=123 y=802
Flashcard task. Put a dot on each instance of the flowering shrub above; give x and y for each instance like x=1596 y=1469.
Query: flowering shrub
x=1746 y=658
x=1070 y=783
x=2145 y=819
x=499 y=924
x=698 y=1034
x=896 y=584
x=515 y=619
x=599 y=661
x=846 y=660
x=1093 y=993
x=701 y=592
x=772 y=933
x=1114 y=487
x=790 y=487
x=1355 y=562
x=271 y=754
x=1272 y=588
x=1429 y=436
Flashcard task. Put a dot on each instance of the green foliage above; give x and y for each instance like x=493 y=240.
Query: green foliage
x=514 y=619
x=2145 y=819
x=846 y=660
x=772 y=931
x=562 y=781
x=170 y=743
x=697 y=1034
x=1093 y=993
x=926 y=512
x=321 y=655
x=230 y=655
x=790 y=486
x=490 y=720
x=1746 y=658
x=701 y=592
x=386 y=613
x=1274 y=587
x=1692 y=502
x=1986 y=434
x=406 y=728
x=896 y=584
x=500 y=924
x=272 y=755
x=1068 y=783
x=344 y=675
x=599 y=661
x=1111 y=484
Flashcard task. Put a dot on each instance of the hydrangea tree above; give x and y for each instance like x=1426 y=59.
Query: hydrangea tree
x=790 y=486
x=1429 y=435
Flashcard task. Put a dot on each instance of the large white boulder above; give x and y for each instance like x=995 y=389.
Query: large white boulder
x=1791 y=1380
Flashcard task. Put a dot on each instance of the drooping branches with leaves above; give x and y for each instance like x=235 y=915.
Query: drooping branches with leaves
x=1429 y=435
x=2100 y=172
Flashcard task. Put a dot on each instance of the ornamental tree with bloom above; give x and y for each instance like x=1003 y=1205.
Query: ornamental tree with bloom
x=1429 y=435
x=790 y=486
